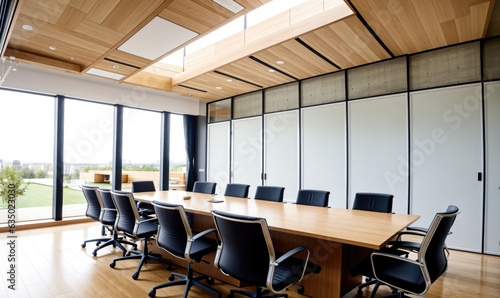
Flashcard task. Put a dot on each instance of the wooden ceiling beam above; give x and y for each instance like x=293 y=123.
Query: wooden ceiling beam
x=34 y=59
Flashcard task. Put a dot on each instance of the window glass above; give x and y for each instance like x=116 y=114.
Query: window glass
x=88 y=151
x=26 y=143
x=219 y=110
x=178 y=158
x=141 y=146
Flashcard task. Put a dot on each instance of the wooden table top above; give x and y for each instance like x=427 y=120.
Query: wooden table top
x=361 y=228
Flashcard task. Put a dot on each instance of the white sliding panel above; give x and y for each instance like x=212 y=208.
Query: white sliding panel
x=447 y=158
x=378 y=148
x=281 y=153
x=247 y=152
x=492 y=220
x=324 y=151
x=218 y=155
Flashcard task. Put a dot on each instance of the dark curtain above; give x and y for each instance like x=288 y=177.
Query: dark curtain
x=190 y=137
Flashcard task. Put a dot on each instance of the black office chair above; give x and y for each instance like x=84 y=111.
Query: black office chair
x=412 y=246
x=246 y=253
x=144 y=186
x=370 y=201
x=269 y=193
x=130 y=223
x=313 y=197
x=376 y=202
x=416 y=276
x=101 y=210
x=176 y=237
x=204 y=187
x=237 y=190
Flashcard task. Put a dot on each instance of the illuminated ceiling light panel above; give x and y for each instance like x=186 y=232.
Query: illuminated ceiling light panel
x=104 y=73
x=157 y=38
x=230 y=5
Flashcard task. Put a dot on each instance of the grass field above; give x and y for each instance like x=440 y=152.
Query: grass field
x=39 y=195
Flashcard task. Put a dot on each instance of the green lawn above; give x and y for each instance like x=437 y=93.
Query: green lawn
x=39 y=195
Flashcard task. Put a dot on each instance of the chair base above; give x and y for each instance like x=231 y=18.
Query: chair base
x=144 y=257
x=188 y=280
x=257 y=294
x=115 y=241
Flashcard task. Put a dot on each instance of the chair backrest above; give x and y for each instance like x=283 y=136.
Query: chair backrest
x=378 y=202
x=94 y=204
x=432 y=252
x=174 y=230
x=237 y=190
x=128 y=216
x=246 y=248
x=204 y=187
x=313 y=197
x=143 y=186
x=269 y=193
x=107 y=202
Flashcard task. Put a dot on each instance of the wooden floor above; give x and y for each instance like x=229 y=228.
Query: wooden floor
x=51 y=263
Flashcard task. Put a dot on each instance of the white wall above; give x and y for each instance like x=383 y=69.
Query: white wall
x=36 y=79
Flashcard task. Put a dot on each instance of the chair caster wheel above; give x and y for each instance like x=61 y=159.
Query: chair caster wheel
x=112 y=264
x=94 y=253
x=210 y=280
x=231 y=295
x=135 y=276
x=360 y=292
x=300 y=291
x=84 y=245
x=97 y=243
x=171 y=277
x=152 y=293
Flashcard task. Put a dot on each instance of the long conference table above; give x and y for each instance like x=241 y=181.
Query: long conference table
x=337 y=238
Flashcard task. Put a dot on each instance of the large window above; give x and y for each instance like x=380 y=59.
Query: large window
x=178 y=158
x=88 y=151
x=26 y=143
x=141 y=146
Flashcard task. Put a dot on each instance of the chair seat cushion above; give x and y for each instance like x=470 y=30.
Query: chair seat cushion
x=406 y=275
x=147 y=229
x=290 y=270
x=202 y=246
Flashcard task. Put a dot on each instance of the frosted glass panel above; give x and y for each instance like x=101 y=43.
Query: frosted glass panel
x=378 y=139
x=247 y=152
x=446 y=158
x=218 y=155
x=323 y=151
x=281 y=160
x=492 y=220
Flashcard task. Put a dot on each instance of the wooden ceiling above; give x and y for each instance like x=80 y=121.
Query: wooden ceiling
x=87 y=35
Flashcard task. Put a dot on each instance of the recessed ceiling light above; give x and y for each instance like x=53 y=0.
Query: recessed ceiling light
x=271 y=70
x=116 y=66
x=27 y=27
x=280 y=62
x=218 y=88
x=72 y=58
x=229 y=80
x=53 y=48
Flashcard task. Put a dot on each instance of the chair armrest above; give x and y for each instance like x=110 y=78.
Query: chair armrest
x=291 y=253
x=414 y=233
x=205 y=232
x=149 y=219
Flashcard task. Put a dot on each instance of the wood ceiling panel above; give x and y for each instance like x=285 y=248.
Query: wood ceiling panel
x=101 y=10
x=110 y=66
x=255 y=73
x=198 y=16
x=211 y=80
x=135 y=12
x=346 y=43
x=407 y=27
x=127 y=58
x=300 y=62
